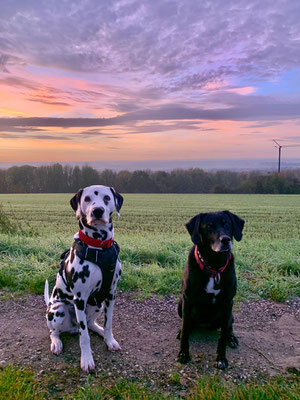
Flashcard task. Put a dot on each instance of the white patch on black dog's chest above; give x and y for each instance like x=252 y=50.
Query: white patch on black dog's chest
x=210 y=287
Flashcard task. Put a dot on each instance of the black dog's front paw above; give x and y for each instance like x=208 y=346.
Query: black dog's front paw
x=232 y=342
x=183 y=357
x=222 y=363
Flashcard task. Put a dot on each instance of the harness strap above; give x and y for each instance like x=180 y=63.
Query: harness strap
x=105 y=258
x=61 y=271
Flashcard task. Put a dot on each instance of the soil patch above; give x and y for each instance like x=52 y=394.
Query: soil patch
x=268 y=333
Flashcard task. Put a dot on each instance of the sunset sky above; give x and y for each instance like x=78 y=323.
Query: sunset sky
x=131 y=80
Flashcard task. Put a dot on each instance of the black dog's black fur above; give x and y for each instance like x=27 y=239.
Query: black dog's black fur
x=212 y=233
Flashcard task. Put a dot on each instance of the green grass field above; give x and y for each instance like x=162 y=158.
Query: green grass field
x=154 y=242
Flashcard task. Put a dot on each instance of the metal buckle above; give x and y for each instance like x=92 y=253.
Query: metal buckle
x=217 y=278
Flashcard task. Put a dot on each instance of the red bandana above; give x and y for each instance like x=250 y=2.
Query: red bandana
x=94 y=242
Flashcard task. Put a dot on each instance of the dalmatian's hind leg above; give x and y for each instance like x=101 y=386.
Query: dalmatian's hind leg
x=58 y=320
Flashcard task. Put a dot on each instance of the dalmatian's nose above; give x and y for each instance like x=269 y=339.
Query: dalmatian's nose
x=98 y=212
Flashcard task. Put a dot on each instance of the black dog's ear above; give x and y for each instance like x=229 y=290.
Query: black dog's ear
x=76 y=199
x=118 y=200
x=238 y=225
x=193 y=227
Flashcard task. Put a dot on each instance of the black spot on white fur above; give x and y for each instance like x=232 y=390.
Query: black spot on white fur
x=63 y=296
x=85 y=273
x=59 y=314
x=82 y=326
x=79 y=304
x=50 y=316
x=75 y=277
x=104 y=234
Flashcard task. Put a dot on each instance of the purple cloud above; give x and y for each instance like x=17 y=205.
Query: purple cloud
x=184 y=42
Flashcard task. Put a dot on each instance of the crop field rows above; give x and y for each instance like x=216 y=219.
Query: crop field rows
x=154 y=242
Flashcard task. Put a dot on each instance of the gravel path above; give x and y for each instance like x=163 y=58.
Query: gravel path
x=268 y=332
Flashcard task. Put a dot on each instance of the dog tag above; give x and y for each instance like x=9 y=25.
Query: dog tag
x=217 y=279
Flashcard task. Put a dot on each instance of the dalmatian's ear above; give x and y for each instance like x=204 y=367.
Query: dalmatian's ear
x=118 y=200
x=75 y=203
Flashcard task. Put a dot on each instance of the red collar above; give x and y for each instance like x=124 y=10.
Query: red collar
x=94 y=242
x=214 y=273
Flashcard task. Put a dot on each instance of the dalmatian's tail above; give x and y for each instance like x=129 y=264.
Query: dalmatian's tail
x=46 y=293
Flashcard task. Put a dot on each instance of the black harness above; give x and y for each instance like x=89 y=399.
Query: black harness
x=106 y=259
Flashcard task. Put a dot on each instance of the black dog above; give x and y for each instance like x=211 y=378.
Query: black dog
x=209 y=281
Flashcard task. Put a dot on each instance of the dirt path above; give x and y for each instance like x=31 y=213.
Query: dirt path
x=269 y=336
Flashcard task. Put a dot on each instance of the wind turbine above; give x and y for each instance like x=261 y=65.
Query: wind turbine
x=279 y=147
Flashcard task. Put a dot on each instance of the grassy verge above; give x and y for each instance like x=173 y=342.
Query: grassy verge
x=273 y=389
x=22 y=384
x=205 y=389
x=19 y=384
x=153 y=265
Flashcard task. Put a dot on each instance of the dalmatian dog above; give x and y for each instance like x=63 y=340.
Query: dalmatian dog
x=88 y=275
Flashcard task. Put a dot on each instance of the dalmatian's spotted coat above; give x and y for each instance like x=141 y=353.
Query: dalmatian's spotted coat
x=71 y=308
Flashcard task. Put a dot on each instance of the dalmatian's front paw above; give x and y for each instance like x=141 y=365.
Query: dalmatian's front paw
x=87 y=363
x=112 y=345
x=56 y=345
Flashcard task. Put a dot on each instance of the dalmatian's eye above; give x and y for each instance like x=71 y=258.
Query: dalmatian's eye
x=106 y=199
x=87 y=199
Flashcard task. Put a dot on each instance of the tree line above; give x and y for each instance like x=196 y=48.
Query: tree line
x=67 y=179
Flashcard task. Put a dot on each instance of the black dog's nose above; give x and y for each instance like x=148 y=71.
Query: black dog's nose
x=98 y=212
x=225 y=239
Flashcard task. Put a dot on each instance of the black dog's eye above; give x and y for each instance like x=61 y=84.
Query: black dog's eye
x=87 y=199
x=209 y=226
x=106 y=199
